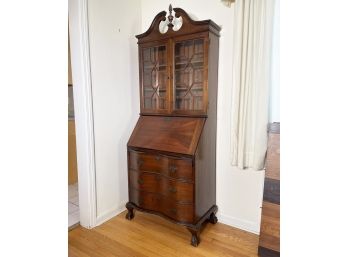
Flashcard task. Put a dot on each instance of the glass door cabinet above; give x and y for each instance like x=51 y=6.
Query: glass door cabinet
x=176 y=69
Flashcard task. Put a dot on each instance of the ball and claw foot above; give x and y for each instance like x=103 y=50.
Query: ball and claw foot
x=130 y=214
x=213 y=219
x=194 y=240
x=195 y=237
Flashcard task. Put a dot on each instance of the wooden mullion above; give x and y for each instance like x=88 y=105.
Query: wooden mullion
x=170 y=76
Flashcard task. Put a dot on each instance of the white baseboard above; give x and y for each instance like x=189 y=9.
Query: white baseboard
x=239 y=223
x=246 y=225
x=110 y=214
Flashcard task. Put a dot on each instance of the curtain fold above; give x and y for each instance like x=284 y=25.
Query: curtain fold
x=251 y=79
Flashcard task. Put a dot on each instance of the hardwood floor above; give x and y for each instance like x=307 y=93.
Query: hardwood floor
x=149 y=235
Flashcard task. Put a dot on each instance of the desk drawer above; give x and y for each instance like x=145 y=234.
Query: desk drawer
x=180 y=168
x=161 y=204
x=174 y=190
x=174 y=167
x=148 y=162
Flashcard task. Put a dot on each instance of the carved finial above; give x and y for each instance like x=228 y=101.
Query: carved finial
x=170 y=17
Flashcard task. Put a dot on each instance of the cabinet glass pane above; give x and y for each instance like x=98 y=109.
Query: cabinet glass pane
x=155 y=77
x=188 y=72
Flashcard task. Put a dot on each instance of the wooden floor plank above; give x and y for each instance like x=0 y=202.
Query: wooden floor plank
x=149 y=235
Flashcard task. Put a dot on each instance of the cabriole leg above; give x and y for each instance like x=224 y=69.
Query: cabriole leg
x=195 y=237
x=130 y=213
x=212 y=218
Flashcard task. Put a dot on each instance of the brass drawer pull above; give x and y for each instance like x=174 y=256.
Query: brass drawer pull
x=172 y=211
x=172 y=190
x=172 y=169
x=140 y=181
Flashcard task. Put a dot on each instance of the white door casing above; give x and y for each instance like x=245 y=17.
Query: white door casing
x=83 y=107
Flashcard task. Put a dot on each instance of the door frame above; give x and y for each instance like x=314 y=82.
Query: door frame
x=83 y=108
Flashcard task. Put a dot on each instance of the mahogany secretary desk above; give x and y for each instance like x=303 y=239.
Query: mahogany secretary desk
x=172 y=149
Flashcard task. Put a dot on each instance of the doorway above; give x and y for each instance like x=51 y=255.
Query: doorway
x=83 y=112
x=73 y=197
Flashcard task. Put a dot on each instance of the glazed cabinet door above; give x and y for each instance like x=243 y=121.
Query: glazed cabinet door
x=154 y=78
x=190 y=69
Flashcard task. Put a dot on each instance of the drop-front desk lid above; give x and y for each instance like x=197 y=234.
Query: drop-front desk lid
x=169 y=134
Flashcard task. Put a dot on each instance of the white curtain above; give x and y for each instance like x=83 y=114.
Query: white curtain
x=253 y=21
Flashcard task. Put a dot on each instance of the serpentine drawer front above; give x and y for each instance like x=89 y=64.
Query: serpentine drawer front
x=163 y=184
x=174 y=190
x=179 y=168
x=161 y=204
x=171 y=152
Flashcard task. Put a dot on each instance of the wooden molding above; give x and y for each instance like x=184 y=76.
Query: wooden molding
x=80 y=61
x=189 y=26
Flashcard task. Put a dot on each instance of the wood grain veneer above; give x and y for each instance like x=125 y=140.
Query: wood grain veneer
x=168 y=134
x=172 y=189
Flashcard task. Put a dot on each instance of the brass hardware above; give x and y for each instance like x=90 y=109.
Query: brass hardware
x=172 y=169
x=157 y=157
x=172 y=190
x=140 y=181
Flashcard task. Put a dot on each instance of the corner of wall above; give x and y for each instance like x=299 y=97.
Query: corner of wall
x=252 y=227
x=113 y=212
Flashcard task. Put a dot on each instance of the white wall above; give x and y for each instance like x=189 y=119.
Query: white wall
x=114 y=71
x=239 y=193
